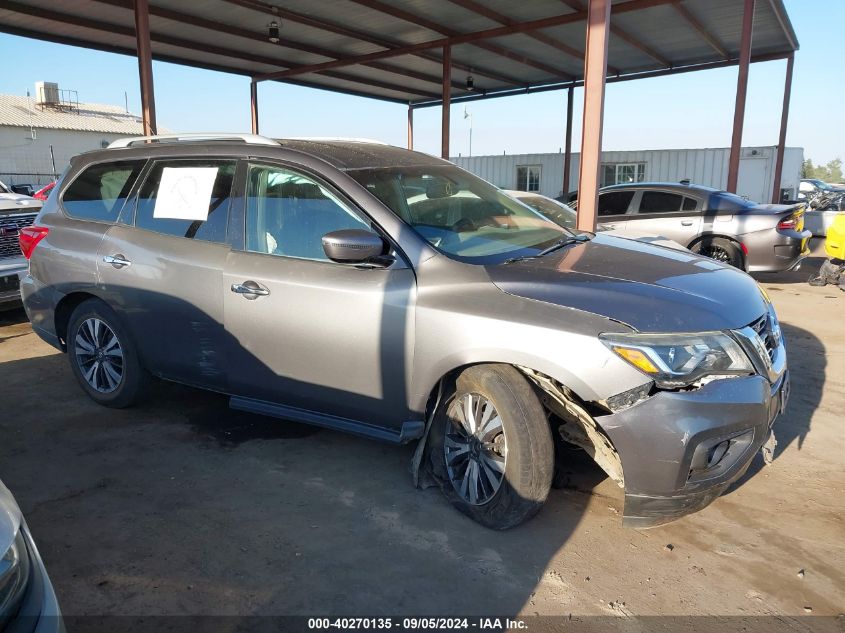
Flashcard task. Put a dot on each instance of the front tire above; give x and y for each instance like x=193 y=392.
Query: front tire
x=103 y=357
x=720 y=249
x=492 y=447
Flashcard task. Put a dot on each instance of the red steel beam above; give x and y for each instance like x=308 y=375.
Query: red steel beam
x=253 y=105
x=741 y=93
x=447 y=95
x=410 y=126
x=340 y=29
x=464 y=38
x=482 y=9
x=567 y=156
x=696 y=24
x=388 y=9
x=145 y=67
x=595 y=74
x=220 y=27
x=784 y=118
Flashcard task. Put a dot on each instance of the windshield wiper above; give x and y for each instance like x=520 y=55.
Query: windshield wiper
x=562 y=243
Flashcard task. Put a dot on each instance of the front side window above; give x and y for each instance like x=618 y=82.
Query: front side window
x=528 y=178
x=288 y=214
x=615 y=202
x=460 y=214
x=99 y=192
x=187 y=198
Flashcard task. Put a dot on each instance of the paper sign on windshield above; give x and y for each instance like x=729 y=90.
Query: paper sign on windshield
x=185 y=193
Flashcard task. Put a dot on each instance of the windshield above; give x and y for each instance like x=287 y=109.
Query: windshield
x=4 y=188
x=556 y=211
x=460 y=214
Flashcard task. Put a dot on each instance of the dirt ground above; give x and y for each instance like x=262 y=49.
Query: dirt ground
x=182 y=506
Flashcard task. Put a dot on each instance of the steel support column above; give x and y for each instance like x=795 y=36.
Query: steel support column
x=145 y=66
x=595 y=74
x=410 y=126
x=253 y=105
x=741 y=92
x=567 y=150
x=447 y=100
x=784 y=117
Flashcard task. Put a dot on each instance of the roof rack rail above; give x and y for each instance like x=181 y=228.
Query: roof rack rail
x=252 y=139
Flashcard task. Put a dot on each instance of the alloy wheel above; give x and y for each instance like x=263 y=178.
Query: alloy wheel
x=475 y=448
x=99 y=355
x=718 y=253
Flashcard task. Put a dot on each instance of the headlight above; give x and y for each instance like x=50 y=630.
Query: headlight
x=678 y=360
x=14 y=574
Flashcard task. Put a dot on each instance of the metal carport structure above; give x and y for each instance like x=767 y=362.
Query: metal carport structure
x=426 y=53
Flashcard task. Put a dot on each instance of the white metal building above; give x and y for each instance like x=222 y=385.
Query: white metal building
x=544 y=172
x=38 y=135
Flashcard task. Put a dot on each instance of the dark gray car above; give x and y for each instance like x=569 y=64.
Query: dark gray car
x=721 y=225
x=390 y=294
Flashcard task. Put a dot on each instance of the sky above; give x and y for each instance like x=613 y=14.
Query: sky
x=681 y=111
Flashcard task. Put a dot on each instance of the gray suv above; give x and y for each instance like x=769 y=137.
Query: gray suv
x=390 y=294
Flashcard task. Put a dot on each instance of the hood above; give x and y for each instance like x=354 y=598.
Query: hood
x=650 y=288
x=15 y=202
x=10 y=518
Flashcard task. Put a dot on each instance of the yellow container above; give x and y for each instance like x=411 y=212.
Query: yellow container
x=834 y=244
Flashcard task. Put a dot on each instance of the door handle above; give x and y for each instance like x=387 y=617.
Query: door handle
x=117 y=260
x=686 y=223
x=249 y=288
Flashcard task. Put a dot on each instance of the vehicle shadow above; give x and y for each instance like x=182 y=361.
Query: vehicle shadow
x=807 y=377
x=184 y=506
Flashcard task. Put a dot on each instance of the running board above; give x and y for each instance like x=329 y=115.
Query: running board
x=411 y=430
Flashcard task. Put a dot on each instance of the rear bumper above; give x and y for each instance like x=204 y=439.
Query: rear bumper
x=660 y=442
x=775 y=251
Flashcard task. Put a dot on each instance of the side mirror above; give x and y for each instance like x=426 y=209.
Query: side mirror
x=352 y=246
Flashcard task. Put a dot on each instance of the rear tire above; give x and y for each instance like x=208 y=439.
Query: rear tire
x=501 y=474
x=103 y=357
x=720 y=249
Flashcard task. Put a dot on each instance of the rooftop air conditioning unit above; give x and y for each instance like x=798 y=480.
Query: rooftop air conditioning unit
x=46 y=92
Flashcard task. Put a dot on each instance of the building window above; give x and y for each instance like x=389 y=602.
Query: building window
x=528 y=178
x=622 y=173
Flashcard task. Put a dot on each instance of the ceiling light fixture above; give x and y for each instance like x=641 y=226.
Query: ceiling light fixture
x=273 y=32
x=470 y=83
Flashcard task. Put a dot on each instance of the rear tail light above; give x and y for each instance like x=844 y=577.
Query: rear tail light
x=28 y=238
x=788 y=224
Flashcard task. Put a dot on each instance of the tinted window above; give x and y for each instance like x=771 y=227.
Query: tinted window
x=660 y=202
x=100 y=191
x=615 y=202
x=187 y=198
x=288 y=214
x=690 y=204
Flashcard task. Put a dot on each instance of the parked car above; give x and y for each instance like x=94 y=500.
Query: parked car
x=43 y=193
x=565 y=216
x=296 y=277
x=717 y=224
x=27 y=600
x=16 y=212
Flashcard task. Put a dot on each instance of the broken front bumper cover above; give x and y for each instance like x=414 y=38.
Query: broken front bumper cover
x=657 y=441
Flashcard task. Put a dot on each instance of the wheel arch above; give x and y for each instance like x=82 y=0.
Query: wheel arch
x=731 y=238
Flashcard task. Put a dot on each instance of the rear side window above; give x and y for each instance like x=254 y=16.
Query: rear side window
x=99 y=192
x=187 y=198
x=660 y=202
x=690 y=204
x=615 y=202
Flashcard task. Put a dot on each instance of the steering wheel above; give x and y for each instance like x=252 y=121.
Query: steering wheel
x=464 y=224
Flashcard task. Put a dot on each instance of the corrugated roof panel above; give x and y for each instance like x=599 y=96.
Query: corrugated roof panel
x=322 y=32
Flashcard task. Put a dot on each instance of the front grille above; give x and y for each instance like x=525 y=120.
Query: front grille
x=9 y=227
x=767 y=333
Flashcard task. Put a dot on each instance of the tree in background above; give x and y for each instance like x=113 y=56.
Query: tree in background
x=832 y=172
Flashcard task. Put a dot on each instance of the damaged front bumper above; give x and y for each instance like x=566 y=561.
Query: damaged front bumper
x=675 y=451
